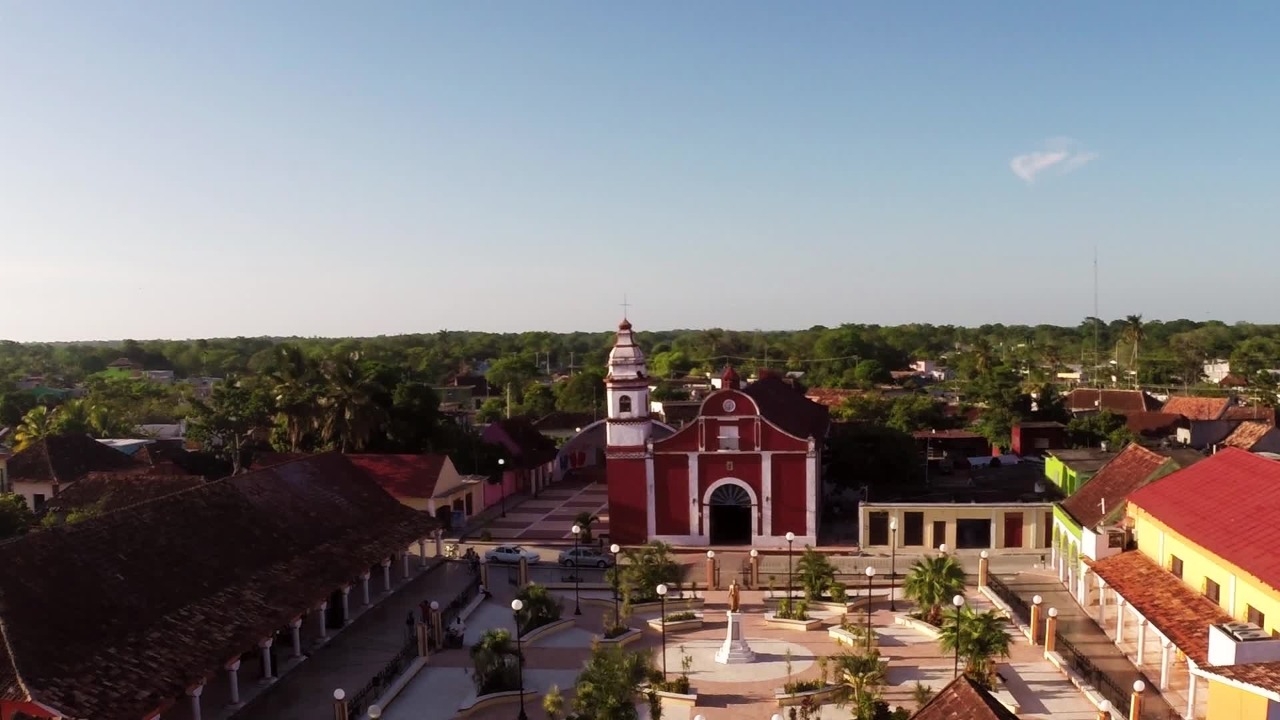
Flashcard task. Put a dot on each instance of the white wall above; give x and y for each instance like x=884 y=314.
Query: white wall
x=29 y=490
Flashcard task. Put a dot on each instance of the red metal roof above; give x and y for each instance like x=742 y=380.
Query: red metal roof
x=402 y=476
x=1228 y=504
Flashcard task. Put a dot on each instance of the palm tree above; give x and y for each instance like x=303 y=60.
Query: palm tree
x=496 y=661
x=983 y=638
x=585 y=520
x=609 y=682
x=932 y=582
x=1134 y=333
x=862 y=675
x=36 y=425
x=351 y=408
x=294 y=381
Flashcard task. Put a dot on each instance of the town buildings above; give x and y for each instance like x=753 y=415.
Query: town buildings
x=745 y=471
x=429 y=482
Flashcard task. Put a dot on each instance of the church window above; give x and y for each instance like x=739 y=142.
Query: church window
x=624 y=404
x=728 y=437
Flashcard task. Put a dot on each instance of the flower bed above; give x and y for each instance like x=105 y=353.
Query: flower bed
x=626 y=637
x=677 y=621
x=484 y=702
x=819 y=695
x=921 y=626
x=806 y=624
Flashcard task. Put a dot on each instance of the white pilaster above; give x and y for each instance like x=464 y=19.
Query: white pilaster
x=233 y=680
x=265 y=646
x=1119 y=619
x=422 y=551
x=693 y=493
x=811 y=496
x=346 y=604
x=651 y=502
x=404 y=557
x=1231 y=595
x=1166 y=655
x=195 y=694
x=1102 y=601
x=386 y=575
x=295 y=631
x=1142 y=641
x=766 y=490
x=1191 y=694
x=321 y=625
x=997 y=530
x=1082 y=587
x=364 y=587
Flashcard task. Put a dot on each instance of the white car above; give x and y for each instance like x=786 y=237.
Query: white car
x=511 y=554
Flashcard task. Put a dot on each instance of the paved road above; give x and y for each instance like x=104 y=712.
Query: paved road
x=352 y=658
x=1081 y=631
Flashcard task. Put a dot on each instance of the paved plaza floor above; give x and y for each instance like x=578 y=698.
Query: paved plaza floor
x=550 y=515
x=731 y=692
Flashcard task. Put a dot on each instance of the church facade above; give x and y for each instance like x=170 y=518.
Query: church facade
x=745 y=471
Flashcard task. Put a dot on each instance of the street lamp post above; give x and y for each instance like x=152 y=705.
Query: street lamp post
x=871 y=572
x=791 y=537
x=617 y=613
x=662 y=599
x=516 y=607
x=577 y=560
x=958 y=601
x=502 y=486
x=893 y=560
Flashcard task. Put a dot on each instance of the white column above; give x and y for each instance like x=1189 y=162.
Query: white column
x=766 y=494
x=997 y=530
x=1082 y=588
x=1142 y=641
x=1165 y=656
x=346 y=604
x=364 y=587
x=422 y=551
x=1191 y=693
x=295 y=628
x=386 y=575
x=195 y=694
x=651 y=507
x=439 y=536
x=1062 y=565
x=693 y=493
x=265 y=646
x=811 y=496
x=1119 y=619
x=233 y=679
x=405 y=558
x=320 y=616
x=1102 y=601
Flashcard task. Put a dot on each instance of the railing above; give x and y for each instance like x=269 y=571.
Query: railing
x=1118 y=696
x=380 y=682
x=548 y=574
x=1015 y=602
x=460 y=601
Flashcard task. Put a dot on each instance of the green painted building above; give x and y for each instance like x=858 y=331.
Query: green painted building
x=1069 y=469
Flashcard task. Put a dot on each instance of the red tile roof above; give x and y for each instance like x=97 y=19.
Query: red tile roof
x=532 y=447
x=1228 y=504
x=1178 y=612
x=1247 y=434
x=65 y=459
x=404 y=477
x=1251 y=412
x=1196 y=408
x=1120 y=476
x=1152 y=424
x=154 y=598
x=963 y=699
x=784 y=404
x=1260 y=675
x=831 y=397
x=106 y=492
x=1117 y=401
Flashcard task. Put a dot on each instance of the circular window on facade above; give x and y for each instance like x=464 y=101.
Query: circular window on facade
x=730 y=406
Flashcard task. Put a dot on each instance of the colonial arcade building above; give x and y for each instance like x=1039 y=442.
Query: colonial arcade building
x=745 y=471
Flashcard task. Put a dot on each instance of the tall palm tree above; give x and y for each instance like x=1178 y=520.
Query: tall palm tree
x=932 y=582
x=1135 y=334
x=862 y=675
x=351 y=410
x=294 y=384
x=585 y=520
x=982 y=638
x=36 y=425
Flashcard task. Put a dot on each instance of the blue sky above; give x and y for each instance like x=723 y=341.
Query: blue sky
x=326 y=168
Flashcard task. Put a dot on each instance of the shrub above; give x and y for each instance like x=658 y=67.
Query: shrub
x=838 y=592
x=799 y=686
x=679 y=617
x=540 y=608
x=792 y=610
x=816 y=573
x=647 y=567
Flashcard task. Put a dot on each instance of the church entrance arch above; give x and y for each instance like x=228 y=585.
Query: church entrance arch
x=730 y=513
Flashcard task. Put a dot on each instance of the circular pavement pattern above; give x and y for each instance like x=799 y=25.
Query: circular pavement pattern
x=771 y=660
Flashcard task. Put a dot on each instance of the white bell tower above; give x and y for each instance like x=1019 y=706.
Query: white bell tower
x=627 y=391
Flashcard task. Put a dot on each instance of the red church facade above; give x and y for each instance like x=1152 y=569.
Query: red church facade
x=746 y=471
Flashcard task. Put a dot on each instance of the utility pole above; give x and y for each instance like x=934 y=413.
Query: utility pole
x=508 y=401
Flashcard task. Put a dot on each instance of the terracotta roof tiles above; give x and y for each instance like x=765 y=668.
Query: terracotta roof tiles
x=1117 y=401
x=1153 y=424
x=1251 y=412
x=107 y=492
x=784 y=404
x=963 y=699
x=156 y=597
x=1260 y=675
x=1247 y=434
x=403 y=476
x=65 y=459
x=1197 y=408
x=1228 y=504
x=1178 y=612
x=1120 y=476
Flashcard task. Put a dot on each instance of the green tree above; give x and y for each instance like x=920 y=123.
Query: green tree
x=931 y=583
x=36 y=425
x=511 y=373
x=538 y=400
x=645 y=568
x=15 y=516
x=585 y=520
x=414 y=418
x=671 y=364
x=296 y=384
x=868 y=373
x=225 y=424
x=982 y=638
x=610 y=682
x=540 y=607
x=491 y=410
x=1093 y=430
x=863 y=676
x=816 y=573
x=584 y=392
x=496 y=663
x=353 y=406
x=553 y=703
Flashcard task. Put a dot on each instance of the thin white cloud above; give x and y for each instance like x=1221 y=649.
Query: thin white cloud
x=1059 y=155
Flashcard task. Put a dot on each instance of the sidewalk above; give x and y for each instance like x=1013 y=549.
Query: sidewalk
x=352 y=658
x=1080 y=630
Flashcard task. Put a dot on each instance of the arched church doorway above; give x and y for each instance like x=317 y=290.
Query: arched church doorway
x=730 y=515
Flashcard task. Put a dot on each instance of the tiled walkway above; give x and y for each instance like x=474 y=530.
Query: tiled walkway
x=550 y=516
x=1081 y=631
x=739 y=692
x=352 y=658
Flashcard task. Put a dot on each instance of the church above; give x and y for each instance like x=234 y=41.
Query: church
x=746 y=471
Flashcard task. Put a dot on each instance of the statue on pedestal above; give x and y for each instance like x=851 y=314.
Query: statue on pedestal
x=735 y=649
x=733 y=596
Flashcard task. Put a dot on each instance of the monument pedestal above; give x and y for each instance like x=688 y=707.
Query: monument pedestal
x=735 y=648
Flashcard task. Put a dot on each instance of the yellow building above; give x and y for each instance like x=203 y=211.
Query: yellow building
x=961 y=526
x=1198 y=602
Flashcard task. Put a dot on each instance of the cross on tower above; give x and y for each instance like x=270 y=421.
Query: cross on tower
x=625 y=306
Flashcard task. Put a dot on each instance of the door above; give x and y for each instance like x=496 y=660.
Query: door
x=730 y=515
x=939 y=533
x=1013 y=530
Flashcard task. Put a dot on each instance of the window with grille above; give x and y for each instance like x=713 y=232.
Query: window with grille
x=1175 y=566
x=1255 y=617
x=1212 y=590
x=728 y=437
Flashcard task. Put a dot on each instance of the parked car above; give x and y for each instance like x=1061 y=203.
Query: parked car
x=511 y=554
x=585 y=557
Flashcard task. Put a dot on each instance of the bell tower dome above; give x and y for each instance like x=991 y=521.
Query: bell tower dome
x=627 y=391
